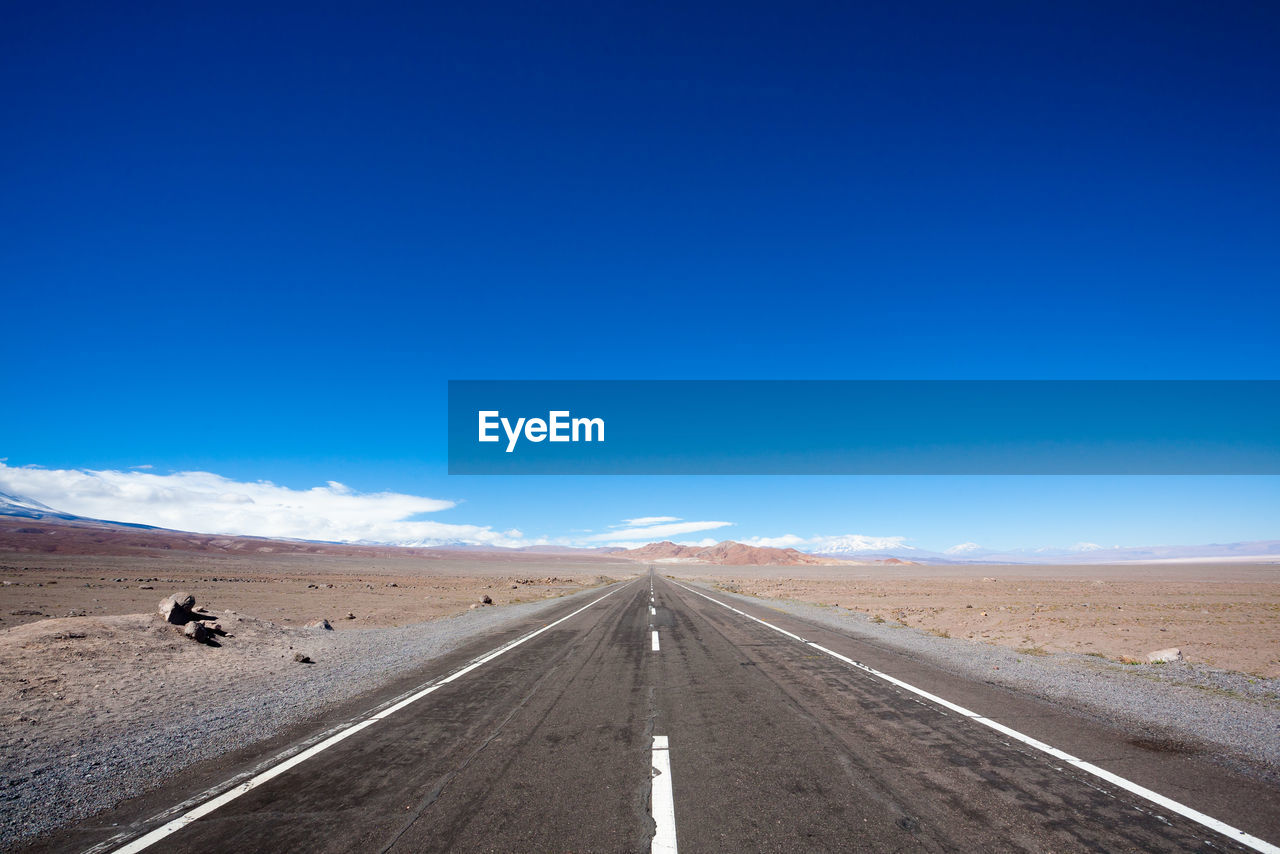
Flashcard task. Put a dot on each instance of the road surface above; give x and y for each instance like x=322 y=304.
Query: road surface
x=658 y=716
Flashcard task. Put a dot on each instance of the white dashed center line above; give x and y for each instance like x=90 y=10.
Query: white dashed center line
x=663 y=802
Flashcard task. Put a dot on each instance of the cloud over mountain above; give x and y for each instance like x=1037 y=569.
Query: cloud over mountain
x=209 y=503
x=639 y=529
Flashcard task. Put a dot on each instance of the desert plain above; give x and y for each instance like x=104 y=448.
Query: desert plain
x=97 y=691
x=1225 y=615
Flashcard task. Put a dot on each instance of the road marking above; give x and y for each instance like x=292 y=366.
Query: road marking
x=655 y=640
x=231 y=794
x=653 y=612
x=1232 y=833
x=663 y=802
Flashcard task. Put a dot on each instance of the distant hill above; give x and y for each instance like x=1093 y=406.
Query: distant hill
x=27 y=526
x=536 y=550
x=727 y=553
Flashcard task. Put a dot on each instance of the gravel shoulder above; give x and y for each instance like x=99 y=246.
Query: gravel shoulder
x=100 y=709
x=1230 y=717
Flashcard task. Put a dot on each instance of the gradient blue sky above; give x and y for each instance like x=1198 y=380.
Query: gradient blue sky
x=257 y=241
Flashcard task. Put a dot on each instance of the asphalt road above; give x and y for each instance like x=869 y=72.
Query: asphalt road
x=728 y=736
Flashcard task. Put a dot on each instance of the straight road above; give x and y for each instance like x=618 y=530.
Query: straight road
x=653 y=716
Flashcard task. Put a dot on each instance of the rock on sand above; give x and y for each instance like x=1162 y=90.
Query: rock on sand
x=176 y=609
x=1163 y=655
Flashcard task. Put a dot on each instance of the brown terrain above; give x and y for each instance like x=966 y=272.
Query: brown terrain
x=1223 y=615
x=52 y=535
x=57 y=569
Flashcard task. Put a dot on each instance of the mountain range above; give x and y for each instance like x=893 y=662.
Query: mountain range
x=83 y=535
x=727 y=553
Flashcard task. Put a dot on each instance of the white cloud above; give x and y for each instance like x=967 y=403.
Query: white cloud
x=962 y=548
x=786 y=541
x=649 y=533
x=644 y=521
x=209 y=503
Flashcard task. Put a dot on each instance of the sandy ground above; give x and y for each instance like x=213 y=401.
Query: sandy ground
x=1226 y=616
x=71 y=627
x=291 y=590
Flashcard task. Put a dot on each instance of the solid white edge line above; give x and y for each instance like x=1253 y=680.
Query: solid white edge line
x=655 y=640
x=663 y=800
x=231 y=794
x=1232 y=833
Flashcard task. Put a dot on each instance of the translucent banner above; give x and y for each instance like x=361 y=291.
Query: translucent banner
x=864 y=427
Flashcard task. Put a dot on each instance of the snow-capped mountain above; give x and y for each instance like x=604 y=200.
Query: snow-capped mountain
x=29 y=508
x=856 y=545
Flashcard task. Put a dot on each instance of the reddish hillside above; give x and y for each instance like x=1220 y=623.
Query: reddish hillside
x=727 y=553
x=84 y=537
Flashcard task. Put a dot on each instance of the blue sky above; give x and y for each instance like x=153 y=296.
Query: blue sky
x=258 y=242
